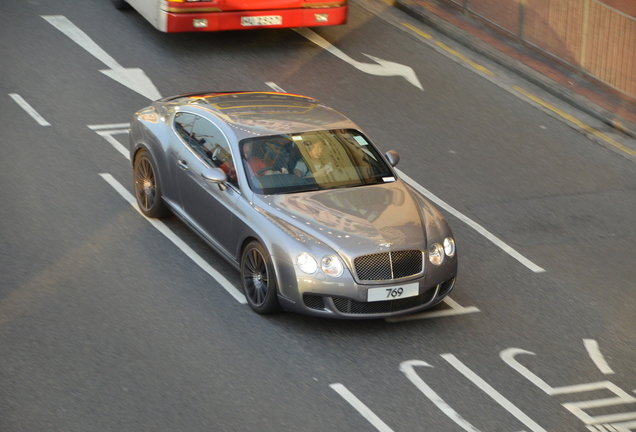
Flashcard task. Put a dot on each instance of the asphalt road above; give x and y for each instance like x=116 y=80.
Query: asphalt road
x=107 y=325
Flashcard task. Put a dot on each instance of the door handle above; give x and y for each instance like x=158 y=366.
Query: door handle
x=183 y=165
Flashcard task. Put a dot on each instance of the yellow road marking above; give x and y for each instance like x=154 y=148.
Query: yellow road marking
x=552 y=108
x=463 y=58
x=418 y=31
x=576 y=121
x=477 y=66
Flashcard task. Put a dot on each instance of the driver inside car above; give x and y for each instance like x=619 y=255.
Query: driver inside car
x=257 y=165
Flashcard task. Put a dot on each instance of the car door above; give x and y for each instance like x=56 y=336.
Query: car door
x=210 y=207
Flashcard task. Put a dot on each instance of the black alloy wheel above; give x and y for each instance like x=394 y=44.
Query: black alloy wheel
x=259 y=282
x=121 y=4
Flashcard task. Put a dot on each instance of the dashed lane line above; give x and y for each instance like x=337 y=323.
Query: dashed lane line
x=29 y=109
x=481 y=230
x=360 y=407
x=163 y=228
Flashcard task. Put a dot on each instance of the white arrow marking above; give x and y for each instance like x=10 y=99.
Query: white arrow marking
x=133 y=78
x=383 y=68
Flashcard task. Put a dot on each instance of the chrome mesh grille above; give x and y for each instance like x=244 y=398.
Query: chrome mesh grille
x=313 y=301
x=388 y=265
x=348 y=306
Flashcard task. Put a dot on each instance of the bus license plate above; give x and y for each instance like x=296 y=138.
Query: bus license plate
x=393 y=293
x=261 y=20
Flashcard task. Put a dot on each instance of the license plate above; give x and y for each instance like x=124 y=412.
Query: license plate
x=261 y=20
x=393 y=293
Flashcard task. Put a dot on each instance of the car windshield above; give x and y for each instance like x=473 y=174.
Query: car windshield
x=314 y=160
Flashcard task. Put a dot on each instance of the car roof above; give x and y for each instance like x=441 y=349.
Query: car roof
x=265 y=113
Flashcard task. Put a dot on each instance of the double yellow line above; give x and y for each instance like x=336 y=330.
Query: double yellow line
x=445 y=47
x=576 y=121
x=525 y=93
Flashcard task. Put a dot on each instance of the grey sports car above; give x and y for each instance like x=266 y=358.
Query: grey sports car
x=298 y=199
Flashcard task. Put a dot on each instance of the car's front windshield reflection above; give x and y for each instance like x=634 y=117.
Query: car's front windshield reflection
x=313 y=160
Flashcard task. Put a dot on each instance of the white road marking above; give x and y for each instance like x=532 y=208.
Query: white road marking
x=455 y=309
x=360 y=407
x=494 y=394
x=615 y=427
x=382 y=68
x=408 y=369
x=198 y=260
x=133 y=78
x=481 y=230
x=605 y=428
x=109 y=126
x=275 y=87
x=576 y=408
x=107 y=132
x=595 y=354
x=29 y=109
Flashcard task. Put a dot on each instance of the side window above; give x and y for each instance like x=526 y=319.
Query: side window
x=183 y=125
x=209 y=142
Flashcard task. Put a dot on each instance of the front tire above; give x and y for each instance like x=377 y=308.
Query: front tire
x=259 y=280
x=147 y=187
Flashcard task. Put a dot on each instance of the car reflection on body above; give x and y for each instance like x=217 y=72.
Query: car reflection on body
x=294 y=195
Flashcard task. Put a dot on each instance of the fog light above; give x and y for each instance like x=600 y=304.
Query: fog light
x=199 y=23
x=321 y=17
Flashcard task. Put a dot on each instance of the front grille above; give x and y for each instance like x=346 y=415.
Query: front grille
x=313 y=301
x=388 y=265
x=348 y=306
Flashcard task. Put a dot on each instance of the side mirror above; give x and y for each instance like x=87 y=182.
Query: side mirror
x=393 y=157
x=214 y=175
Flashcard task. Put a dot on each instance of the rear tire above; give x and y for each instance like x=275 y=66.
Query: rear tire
x=259 y=279
x=121 y=4
x=147 y=187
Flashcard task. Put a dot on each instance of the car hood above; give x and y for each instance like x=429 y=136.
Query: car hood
x=355 y=221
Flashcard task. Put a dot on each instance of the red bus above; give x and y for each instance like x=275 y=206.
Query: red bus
x=202 y=15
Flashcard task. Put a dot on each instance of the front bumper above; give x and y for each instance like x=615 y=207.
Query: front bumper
x=342 y=307
x=345 y=299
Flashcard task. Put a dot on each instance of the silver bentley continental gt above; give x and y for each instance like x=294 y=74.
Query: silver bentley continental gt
x=298 y=199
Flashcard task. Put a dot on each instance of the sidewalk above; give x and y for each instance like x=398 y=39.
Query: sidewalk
x=551 y=77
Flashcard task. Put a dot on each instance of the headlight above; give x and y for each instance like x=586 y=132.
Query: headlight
x=449 y=247
x=306 y=263
x=332 y=266
x=436 y=254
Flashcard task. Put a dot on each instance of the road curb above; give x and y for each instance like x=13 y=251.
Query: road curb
x=547 y=84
